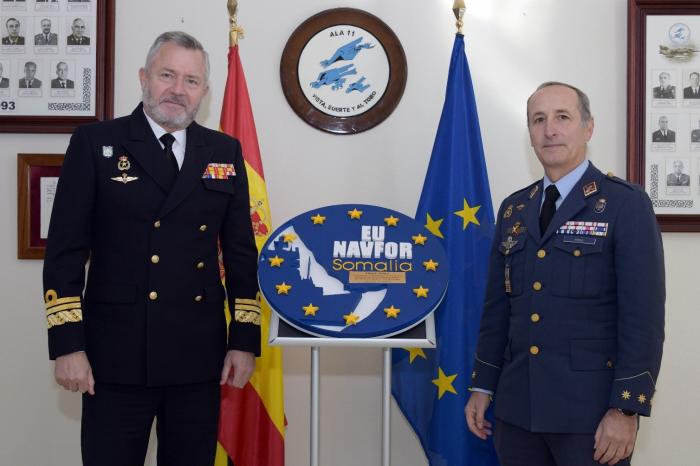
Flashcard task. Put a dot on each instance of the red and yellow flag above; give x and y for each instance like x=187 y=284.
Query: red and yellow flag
x=252 y=423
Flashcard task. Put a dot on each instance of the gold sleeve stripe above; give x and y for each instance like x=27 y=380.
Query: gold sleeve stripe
x=247 y=317
x=59 y=301
x=64 y=317
x=63 y=307
x=247 y=301
x=243 y=307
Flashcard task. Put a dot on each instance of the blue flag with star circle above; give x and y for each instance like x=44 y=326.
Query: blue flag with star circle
x=431 y=385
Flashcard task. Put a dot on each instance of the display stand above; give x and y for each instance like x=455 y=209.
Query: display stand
x=420 y=336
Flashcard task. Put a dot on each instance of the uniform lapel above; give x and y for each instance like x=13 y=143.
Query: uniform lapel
x=575 y=201
x=143 y=146
x=531 y=213
x=197 y=156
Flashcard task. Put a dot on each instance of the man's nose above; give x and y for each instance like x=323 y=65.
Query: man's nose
x=550 y=129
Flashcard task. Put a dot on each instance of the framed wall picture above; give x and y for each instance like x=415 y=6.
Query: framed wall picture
x=37 y=178
x=343 y=71
x=56 y=64
x=663 y=147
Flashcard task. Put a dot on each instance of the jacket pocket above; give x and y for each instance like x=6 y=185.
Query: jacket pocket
x=577 y=266
x=222 y=186
x=593 y=355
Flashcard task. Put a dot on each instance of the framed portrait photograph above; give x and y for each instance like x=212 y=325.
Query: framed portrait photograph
x=56 y=64
x=343 y=71
x=663 y=145
x=37 y=178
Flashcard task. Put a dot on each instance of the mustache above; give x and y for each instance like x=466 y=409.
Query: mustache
x=174 y=99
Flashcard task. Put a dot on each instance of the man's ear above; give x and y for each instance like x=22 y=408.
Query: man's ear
x=142 y=77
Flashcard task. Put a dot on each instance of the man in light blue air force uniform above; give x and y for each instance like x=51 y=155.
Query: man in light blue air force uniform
x=573 y=322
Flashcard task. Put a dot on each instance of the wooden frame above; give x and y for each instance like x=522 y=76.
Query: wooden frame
x=676 y=54
x=30 y=169
x=65 y=109
x=331 y=104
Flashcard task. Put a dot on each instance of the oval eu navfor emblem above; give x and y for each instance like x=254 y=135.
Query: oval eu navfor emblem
x=353 y=271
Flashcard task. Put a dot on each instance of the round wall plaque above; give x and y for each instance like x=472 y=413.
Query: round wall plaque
x=343 y=71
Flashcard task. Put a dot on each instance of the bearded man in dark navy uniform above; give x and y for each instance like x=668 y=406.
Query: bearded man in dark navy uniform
x=573 y=321
x=146 y=199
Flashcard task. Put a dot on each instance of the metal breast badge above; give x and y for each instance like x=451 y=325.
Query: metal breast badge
x=123 y=165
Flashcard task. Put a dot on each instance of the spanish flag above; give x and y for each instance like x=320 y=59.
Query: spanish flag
x=251 y=423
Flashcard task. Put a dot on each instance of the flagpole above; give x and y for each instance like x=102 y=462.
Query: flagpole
x=458 y=8
x=236 y=32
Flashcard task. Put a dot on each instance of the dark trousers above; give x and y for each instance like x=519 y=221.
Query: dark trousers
x=520 y=447
x=117 y=420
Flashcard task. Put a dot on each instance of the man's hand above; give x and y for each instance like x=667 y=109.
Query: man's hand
x=238 y=367
x=476 y=408
x=73 y=372
x=614 y=438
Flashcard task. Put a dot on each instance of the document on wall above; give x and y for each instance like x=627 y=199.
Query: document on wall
x=48 y=192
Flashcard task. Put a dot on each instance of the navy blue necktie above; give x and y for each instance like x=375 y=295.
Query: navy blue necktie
x=549 y=207
x=168 y=139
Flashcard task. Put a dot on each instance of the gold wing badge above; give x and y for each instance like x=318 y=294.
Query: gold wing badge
x=124 y=178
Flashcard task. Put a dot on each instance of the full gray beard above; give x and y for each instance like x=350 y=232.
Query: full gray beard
x=178 y=122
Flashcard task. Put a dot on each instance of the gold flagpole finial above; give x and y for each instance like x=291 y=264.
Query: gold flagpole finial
x=236 y=32
x=459 y=8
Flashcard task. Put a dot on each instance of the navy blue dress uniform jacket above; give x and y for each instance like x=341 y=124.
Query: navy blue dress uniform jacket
x=577 y=326
x=152 y=310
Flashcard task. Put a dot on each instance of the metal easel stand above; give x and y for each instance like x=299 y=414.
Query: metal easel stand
x=282 y=334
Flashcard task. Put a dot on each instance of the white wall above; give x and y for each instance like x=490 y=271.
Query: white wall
x=512 y=46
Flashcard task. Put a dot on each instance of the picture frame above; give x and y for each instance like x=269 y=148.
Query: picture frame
x=663 y=108
x=59 y=69
x=37 y=176
x=343 y=71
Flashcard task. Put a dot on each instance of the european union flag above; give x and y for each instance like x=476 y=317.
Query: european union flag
x=431 y=386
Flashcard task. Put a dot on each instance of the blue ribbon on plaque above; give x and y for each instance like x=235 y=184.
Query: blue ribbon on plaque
x=353 y=271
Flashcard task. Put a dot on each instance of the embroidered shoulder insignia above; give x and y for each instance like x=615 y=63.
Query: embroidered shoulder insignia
x=590 y=189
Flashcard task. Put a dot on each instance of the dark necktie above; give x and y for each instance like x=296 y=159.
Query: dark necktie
x=168 y=139
x=549 y=207
x=63 y=84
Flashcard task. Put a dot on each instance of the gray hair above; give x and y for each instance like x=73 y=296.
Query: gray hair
x=584 y=105
x=181 y=39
